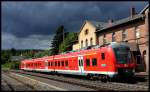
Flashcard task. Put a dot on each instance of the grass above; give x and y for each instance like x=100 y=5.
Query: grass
x=6 y=66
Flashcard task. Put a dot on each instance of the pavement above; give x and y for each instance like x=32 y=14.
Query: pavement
x=142 y=73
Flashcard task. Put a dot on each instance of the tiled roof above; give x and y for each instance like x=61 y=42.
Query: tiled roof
x=147 y=6
x=98 y=24
x=17 y=58
x=125 y=20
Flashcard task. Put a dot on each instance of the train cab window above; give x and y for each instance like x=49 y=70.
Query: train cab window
x=87 y=62
x=62 y=63
x=58 y=63
x=94 y=62
x=66 y=63
x=103 y=56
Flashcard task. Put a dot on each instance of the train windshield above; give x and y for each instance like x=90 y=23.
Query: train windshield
x=123 y=55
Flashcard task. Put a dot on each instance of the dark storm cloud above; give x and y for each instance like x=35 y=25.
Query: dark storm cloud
x=25 y=19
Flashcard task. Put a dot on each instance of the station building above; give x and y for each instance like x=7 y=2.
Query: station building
x=133 y=30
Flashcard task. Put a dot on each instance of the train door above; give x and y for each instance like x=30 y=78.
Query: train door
x=103 y=62
x=46 y=64
x=80 y=64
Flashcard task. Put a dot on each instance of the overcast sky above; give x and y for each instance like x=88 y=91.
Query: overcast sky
x=31 y=25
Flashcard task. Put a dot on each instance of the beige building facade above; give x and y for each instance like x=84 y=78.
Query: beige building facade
x=87 y=34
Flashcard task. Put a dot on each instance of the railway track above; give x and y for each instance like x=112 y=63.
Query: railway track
x=97 y=85
x=13 y=84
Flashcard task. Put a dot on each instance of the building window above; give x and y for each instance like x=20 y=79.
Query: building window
x=138 y=59
x=86 y=31
x=82 y=44
x=137 y=32
x=124 y=35
x=87 y=62
x=94 y=62
x=91 y=41
x=113 y=37
x=104 y=39
x=86 y=42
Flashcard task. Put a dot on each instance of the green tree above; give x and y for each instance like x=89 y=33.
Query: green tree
x=66 y=45
x=57 y=40
x=13 y=51
x=41 y=54
x=5 y=56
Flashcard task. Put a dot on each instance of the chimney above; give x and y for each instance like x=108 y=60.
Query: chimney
x=110 y=21
x=132 y=12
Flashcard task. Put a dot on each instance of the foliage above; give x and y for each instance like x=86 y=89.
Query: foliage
x=58 y=38
x=29 y=54
x=5 y=56
x=13 y=51
x=11 y=65
x=66 y=45
x=41 y=54
x=15 y=64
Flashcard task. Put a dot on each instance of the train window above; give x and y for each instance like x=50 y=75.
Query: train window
x=58 y=63
x=79 y=63
x=62 y=63
x=66 y=63
x=94 y=62
x=87 y=62
x=51 y=63
x=103 y=56
x=55 y=63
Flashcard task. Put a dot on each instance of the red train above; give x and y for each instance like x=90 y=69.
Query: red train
x=103 y=61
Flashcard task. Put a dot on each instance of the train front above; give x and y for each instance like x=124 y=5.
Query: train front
x=124 y=61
